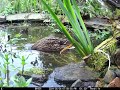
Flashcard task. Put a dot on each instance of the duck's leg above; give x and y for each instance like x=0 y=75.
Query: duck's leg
x=64 y=49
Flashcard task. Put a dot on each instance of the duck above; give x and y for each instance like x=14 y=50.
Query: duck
x=51 y=44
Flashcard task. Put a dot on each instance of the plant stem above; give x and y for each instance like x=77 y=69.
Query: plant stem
x=7 y=75
x=22 y=70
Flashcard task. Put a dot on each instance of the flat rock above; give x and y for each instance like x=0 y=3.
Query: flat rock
x=97 y=23
x=73 y=72
x=26 y=16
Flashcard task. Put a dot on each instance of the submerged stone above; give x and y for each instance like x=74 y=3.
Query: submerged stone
x=38 y=75
x=73 y=72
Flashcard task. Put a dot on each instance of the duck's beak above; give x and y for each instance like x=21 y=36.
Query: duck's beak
x=64 y=49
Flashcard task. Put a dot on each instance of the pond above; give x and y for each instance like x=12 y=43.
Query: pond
x=31 y=33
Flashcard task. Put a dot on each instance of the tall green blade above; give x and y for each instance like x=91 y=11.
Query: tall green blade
x=82 y=41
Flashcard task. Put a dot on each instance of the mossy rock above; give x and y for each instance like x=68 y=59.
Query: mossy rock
x=34 y=70
x=37 y=74
x=96 y=61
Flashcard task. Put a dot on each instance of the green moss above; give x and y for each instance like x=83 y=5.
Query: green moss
x=97 y=61
x=37 y=71
x=34 y=70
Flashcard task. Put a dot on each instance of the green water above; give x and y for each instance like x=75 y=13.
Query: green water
x=29 y=35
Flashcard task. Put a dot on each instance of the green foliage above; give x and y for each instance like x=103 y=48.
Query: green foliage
x=23 y=62
x=6 y=66
x=18 y=6
x=100 y=35
x=82 y=42
x=94 y=8
x=116 y=13
x=6 y=7
x=19 y=81
x=25 y=5
x=22 y=6
x=15 y=39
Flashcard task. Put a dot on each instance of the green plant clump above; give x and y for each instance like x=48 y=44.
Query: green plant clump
x=19 y=6
x=6 y=66
x=93 y=8
x=80 y=38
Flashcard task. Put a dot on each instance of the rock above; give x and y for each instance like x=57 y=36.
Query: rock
x=2 y=18
x=39 y=78
x=26 y=16
x=99 y=84
x=115 y=82
x=117 y=57
x=97 y=23
x=79 y=83
x=114 y=3
x=50 y=44
x=109 y=76
x=73 y=72
x=38 y=75
x=118 y=41
x=106 y=85
x=89 y=84
x=117 y=72
x=36 y=78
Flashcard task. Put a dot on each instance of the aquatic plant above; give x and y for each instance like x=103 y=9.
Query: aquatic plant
x=80 y=38
x=23 y=63
x=19 y=81
x=6 y=65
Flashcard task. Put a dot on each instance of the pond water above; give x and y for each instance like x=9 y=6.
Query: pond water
x=29 y=35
